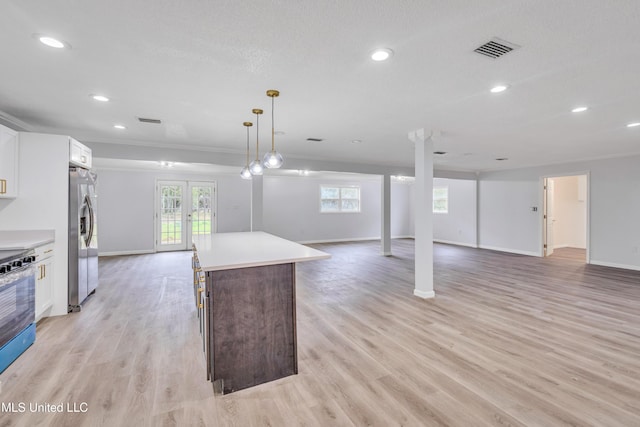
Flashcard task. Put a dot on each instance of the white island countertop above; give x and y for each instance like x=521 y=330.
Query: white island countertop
x=226 y=251
x=25 y=239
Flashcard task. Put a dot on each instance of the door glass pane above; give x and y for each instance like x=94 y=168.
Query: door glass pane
x=201 y=216
x=171 y=215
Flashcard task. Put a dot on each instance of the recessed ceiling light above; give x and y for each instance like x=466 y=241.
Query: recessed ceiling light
x=381 y=54
x=579 y=109
x=499 y=88
x=119 y=126
x=356 y=141
x=100 y=98
x=51 y=41
x=632 y=125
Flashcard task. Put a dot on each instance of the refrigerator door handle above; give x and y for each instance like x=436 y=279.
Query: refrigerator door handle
x=89 y=236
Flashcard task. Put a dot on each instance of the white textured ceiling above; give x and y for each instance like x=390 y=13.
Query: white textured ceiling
x=201 y=66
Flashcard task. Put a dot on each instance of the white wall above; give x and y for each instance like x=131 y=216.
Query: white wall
x=507 y=222
x=570 y=214
x=292 y=209
x=401 y=209
x=127 y=207
x=459 y=225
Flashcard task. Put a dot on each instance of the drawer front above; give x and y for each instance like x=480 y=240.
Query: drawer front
x=43 y=252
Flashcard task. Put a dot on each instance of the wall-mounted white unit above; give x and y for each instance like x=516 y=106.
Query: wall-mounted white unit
x=79 y=154
x=9 y=163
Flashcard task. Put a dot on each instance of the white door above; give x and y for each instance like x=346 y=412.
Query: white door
x=202 y=212
x=548 y=217
x=171 y=234
x=184 y=209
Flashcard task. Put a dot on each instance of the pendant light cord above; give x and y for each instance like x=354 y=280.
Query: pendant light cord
x=257 y=136
x=273 y=144
x=247 y=146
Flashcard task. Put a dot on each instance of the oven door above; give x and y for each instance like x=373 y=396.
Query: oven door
x=17 y=303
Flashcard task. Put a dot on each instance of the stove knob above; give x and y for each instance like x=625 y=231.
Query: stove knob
x=17 y=263
x=28 y=260
x=5 y=268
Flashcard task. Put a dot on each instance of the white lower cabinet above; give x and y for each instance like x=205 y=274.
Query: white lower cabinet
x=44 y=280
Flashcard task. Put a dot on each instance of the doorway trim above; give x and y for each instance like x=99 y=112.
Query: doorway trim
x=542 y=202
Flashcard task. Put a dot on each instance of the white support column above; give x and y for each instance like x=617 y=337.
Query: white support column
x=423 y=215
x=385 y=234
x=256 y=203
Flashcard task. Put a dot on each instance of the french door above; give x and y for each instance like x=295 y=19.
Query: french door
x=184 y=209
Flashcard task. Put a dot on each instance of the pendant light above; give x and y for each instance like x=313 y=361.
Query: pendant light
x=245 y=173
x=273 y=159
x=256 y=166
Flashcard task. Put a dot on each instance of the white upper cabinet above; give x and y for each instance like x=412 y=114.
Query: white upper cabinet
x=79 y=154
x=8 y=163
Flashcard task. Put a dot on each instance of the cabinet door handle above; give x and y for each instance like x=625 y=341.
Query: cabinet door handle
x=199 y=298
x=3 y=186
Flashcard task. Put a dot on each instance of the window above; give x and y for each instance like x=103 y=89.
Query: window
x=339 y=199
x=441 y=200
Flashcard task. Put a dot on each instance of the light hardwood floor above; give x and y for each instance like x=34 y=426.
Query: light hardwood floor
x=508 y=340
x=570 y=253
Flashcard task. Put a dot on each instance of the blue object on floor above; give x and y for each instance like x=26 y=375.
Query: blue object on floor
x=14 y=348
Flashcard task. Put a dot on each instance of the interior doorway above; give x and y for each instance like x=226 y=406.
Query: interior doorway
x=565 y=217
x=184 y=209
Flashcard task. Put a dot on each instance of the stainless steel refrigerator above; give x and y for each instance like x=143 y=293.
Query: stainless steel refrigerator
x=83 y=236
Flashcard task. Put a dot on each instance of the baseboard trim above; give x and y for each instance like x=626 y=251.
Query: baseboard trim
x=424 y=294
x=386 y=253
x=351 y=239
x=511 y=251
x=451 y=242
x=615 y=265
x=348 y=239
x=120 y=253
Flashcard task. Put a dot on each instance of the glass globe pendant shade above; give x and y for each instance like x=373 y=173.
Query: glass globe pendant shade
x=255 y=168
x=245 y=173
x=272 y=160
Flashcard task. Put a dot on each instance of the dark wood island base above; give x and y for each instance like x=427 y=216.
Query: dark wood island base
x=245 y=292
x=252 y=325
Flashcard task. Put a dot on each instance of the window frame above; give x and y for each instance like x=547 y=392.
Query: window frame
x=339 y=199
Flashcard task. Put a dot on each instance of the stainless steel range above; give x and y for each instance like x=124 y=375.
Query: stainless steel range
x=17 y=304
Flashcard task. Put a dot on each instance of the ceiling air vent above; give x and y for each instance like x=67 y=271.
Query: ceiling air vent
x=154 y=121
x=315 y=139
x=496 y=48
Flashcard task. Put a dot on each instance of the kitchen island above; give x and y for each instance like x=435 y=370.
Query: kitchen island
x=247 y=306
